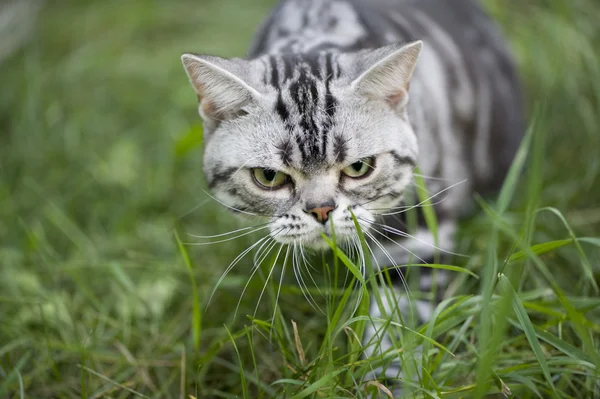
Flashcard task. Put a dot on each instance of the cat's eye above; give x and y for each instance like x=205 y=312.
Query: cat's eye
x=269 y=179
x=361 y=168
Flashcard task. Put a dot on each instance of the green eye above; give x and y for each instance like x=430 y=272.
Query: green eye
x=269 y=179
x=360 y=168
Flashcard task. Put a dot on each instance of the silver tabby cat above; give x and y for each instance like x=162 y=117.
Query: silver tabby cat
x=318 y=122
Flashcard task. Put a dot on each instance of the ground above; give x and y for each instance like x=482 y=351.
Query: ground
x=100 y=175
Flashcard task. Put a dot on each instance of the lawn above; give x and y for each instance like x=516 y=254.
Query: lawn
x=105 y=286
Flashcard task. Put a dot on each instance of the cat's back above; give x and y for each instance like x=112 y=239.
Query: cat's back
x=348 y=25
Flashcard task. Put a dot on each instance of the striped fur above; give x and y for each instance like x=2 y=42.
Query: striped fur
x=327 y=83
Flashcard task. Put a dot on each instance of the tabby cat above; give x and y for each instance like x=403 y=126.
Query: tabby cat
x=317 y=125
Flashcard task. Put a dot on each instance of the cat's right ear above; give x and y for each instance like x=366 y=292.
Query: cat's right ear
x=219 y=84
x=387 y=73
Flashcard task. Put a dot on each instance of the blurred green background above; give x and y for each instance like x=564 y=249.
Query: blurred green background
x=100 y=163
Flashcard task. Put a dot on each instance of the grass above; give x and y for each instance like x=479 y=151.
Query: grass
x=100 y=187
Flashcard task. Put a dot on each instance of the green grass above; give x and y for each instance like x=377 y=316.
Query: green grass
x=101 y=185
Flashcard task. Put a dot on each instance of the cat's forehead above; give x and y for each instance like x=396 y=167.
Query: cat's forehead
x=303 y=69
x=306 y=107
x=312 y=154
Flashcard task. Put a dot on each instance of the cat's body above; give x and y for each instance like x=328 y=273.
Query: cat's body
x=318 y=121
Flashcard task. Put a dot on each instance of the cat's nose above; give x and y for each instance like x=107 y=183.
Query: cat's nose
x=321 y=213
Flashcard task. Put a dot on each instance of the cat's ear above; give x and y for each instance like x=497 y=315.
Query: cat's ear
x=220 y=85
x=388 y=72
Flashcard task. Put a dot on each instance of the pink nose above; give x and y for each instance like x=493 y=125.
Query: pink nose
x=322 y=213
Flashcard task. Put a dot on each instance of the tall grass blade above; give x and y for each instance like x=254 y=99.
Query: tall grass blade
x=196 y=313
x=528 y=329
x=241 y=364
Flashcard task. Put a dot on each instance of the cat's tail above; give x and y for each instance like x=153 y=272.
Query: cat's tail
x=17 y=21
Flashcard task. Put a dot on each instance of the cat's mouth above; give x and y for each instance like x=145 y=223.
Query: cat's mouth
x=320 y=236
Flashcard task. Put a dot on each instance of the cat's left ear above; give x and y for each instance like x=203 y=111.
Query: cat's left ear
x=220 y=85
x=388 y=73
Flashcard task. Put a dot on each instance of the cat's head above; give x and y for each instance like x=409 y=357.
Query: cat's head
x=304 y=140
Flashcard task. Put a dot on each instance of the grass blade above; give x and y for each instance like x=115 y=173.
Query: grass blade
x=539 y=249
x=528 y=329
x=196 y=314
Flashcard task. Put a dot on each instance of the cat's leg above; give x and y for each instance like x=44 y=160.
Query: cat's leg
x=397 y=303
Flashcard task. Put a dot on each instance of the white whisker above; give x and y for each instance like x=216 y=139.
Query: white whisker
x=259 y=257
x=200 y=244
x=231 y=207
x=427 y=199
x=400 y=245
x=409 y=297
x=431 y=177
x=303 y=286
x=232 y=265
x=194 y=209
x=404 y=234
x=229 y=232
x=262 y=292
x=389 y=257
x=287 y=254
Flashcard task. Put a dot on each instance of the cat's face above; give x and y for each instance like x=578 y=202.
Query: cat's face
x=308 y=141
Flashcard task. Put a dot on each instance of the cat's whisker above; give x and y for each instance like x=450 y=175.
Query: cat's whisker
x=232 y=265
x=255 y=229
x=308 y=266
x=259 y=257
x=404 y=234
x=349 y=250
x=194 y=209
x=285 y=259
x=300 y=279
x=408 y=207
x=306 y=260
x=425 y=200
x=422 y=205
x=228 y=233
x=240 y=168
x=392 y=191
x=268 y=245
x=432 y=177
x=356 y=243
x=302 y=261
x=410 y=299
x=389 y=257
x=232 y=207
x=268 y=278
x=402 y=247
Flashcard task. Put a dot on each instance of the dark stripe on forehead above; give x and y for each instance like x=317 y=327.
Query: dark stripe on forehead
x=280 y=107
x=221 y=175
x=285 y=150
x=403 y=159
x=339 y=149
x=274 y=71
x=330 y=101
x=288 y=68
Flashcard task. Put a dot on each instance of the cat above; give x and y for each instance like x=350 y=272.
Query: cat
x=338 y=102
